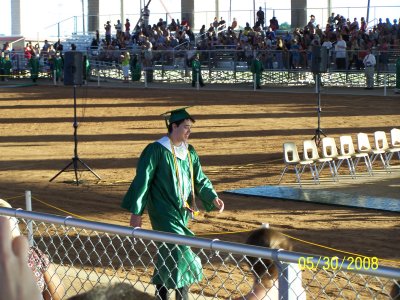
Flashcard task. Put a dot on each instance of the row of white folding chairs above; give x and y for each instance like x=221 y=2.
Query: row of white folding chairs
x=330 y=155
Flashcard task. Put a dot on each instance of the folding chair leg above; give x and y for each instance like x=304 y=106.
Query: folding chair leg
x=368 y=163
x=283 y=173
x=298 y=175
x=332 y=171
x=316 y=174
x=353 y=168
x=335 y=170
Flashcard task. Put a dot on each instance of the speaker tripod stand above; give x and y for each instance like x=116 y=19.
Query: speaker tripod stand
x=318 y=131
x=75 y=160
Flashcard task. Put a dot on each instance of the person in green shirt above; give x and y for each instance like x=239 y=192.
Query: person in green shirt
x=196 y=71
x=58 y=65
x=257 y=69
x=168 y=179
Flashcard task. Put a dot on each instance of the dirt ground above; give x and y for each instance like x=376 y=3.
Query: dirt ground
x=238 y=136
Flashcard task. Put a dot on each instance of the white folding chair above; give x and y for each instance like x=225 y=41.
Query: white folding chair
x=310 y=145
x=291 y=158
x=347 y=153
x=347 y=148
x=395 y=144
x=381 y=147
x=363 y=146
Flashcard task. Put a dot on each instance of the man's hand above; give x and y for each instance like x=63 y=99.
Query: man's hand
x=17 y=281
x=136 y=221
x=219 y=204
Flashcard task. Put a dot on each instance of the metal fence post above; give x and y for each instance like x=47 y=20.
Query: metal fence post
x=98 y=75
x=54 y=77
x=145 y=78
x=28 y=204
x=254 y=81
x=198 y=81
x=290 y=282
x=384 y=84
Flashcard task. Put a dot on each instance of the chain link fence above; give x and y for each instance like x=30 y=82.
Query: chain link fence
x=85 y=254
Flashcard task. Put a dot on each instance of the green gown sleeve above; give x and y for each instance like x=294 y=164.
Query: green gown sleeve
x=203 y=186
x=137 y=196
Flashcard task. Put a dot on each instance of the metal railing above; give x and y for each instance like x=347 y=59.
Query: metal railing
x=85 y=254
x=228 y=66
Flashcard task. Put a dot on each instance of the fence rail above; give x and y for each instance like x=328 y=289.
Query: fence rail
x=227 y=66
x=86 y=254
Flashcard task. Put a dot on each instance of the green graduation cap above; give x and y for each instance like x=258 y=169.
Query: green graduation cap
x=176 y=115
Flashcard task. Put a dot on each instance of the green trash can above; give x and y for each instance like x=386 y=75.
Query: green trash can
x=398 y=76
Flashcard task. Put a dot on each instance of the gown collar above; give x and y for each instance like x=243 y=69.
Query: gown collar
x=180 y=151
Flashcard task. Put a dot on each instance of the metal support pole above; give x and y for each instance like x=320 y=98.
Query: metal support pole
x=254 y=81
x=28 y=204
x=384 y=84
x=54 y=77
x=198 y=81
x=98 y=76
x=145 y=79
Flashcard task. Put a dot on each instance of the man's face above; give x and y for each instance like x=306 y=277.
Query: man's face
x=182 y=131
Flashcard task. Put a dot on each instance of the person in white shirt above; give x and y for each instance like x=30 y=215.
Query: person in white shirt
x=340 y=50
x=369 y=63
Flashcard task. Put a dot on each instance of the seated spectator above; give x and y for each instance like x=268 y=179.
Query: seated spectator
x=48 y=282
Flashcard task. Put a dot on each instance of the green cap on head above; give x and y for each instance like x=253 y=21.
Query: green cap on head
x=176 y=115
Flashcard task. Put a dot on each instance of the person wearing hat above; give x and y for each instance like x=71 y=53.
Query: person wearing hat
x=168 y=179
x=196 y=71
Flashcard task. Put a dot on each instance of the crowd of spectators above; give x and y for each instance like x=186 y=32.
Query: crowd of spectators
x=282 y=50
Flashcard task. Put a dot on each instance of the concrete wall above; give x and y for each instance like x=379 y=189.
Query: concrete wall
x=93 y=15
x=299 y=13
x=15 y=17
x=187 y=7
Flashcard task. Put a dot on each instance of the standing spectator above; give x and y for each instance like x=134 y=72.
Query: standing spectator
x=260 y=17
x=196 y=71
x=234 y=24
x=58 y=46
x=312 y=24
x=257 y=69
x=221 y=24
x=331 y=22
x=118 y=28
x=340 y=51
x=107 y=28
x=274 y=24
x=127 y=29
x=168 y=177
x=363 y=27
x=369 y=63
x=354 y=25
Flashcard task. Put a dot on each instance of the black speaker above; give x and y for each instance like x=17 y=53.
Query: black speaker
x=73 y=68
x=319 y=62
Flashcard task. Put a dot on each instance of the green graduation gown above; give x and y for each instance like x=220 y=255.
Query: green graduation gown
x=257 y=68
x=155 y=187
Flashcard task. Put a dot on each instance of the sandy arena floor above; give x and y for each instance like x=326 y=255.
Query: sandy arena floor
x=238 y=136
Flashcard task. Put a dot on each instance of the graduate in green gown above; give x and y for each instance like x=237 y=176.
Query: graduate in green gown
x=168 y=180
x=257 y=69
x=196 y=71
x=34 y=65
